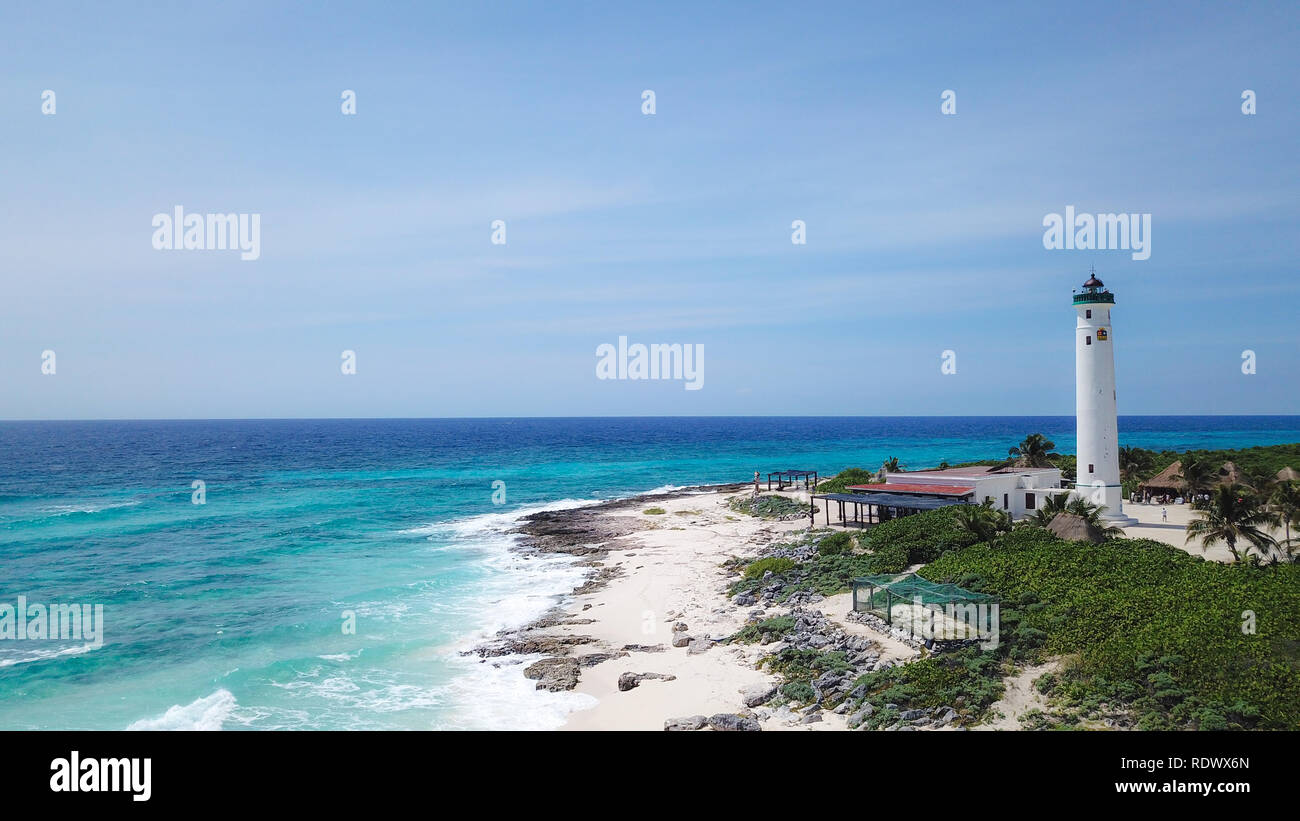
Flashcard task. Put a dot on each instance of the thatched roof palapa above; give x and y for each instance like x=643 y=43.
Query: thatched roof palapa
x=1168 y=479
x=1230 y=474
x=1075 y=528
x=1288 y=474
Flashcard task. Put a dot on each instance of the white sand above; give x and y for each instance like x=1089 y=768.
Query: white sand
x=672 y=573
x=1174 y=531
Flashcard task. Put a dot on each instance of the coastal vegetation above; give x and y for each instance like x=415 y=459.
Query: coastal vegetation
x=1152 y=637
x=1237 y=517
x=654 y=511
x=1146 y=635
x=1034 y=452
x=769 y=506
x=849 y=476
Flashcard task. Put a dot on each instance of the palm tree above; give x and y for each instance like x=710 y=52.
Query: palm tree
x=892 y=465
x=1051 y=506
x=982 y=521
x=1199 y=476
x=1285 y=501
x=1091 y=513
x=1132 y=460
x=1233 y=514
x=1034 y=452
x=1262 y=482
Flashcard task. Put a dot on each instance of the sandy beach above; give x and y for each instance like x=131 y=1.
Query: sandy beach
x=660 y=578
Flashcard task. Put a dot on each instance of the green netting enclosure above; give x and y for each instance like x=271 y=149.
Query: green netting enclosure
x=881 y=594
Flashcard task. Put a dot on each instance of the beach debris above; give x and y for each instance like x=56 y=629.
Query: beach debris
x=681 y=640
x=687 y=723
x=756 y=694
x=733 y=723
x=680 y=627
x=554 y=674
x=627 y=681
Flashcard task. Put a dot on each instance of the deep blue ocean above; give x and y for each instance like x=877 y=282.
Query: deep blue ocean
x=231 y=613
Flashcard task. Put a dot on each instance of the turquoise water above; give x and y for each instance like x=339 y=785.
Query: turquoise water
x=230 y=614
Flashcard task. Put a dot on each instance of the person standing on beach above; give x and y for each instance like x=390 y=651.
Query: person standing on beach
x=755 y=483
x=1164 y=514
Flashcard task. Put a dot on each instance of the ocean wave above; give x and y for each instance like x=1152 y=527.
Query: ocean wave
x=68 y=510
x=207 y=713
x=487 y=523
x=494 y=695
x=47 y=653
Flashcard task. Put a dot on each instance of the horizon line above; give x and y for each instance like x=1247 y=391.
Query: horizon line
x=630 y=416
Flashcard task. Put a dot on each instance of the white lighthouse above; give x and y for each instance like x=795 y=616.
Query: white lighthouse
x=1094 y=392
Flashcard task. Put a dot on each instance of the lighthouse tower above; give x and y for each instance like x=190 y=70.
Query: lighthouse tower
x=1095 y=415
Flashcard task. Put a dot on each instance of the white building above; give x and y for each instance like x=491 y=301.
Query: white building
x=1017 y=490
x=1094 y=396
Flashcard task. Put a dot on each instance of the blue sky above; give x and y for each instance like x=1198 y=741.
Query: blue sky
x=924 y=231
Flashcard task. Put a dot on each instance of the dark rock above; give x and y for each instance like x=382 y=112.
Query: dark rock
x=526 y=645
x=627 y=681
x=733 y=722
x=757 y=694
x=685 y=724
x=554 y=674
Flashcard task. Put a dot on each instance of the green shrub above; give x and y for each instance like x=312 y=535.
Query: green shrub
x=769 y=507
x=654 y=511
x=924 y=537
x=756 y=569
x=777 y=627
x=835 y=544
x=849 y=476
x=1154 y=629
x=799 y=692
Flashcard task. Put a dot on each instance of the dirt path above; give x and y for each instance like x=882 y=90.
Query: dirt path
x=1019 y=698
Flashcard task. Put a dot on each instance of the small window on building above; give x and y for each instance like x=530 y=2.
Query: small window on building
x=1089 y=340
x=1029 y=501
x=1090 y=470
x=1006 y=500
x=1089 y=313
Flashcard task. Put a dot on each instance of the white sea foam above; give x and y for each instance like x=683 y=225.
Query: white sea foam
x=42 y=653
x=65 y=510
x=493 y=522
x=492 y=694
x=208 y=713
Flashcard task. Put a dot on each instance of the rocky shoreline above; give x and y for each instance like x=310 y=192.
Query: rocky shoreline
x=588 y=533
x=687 y=662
